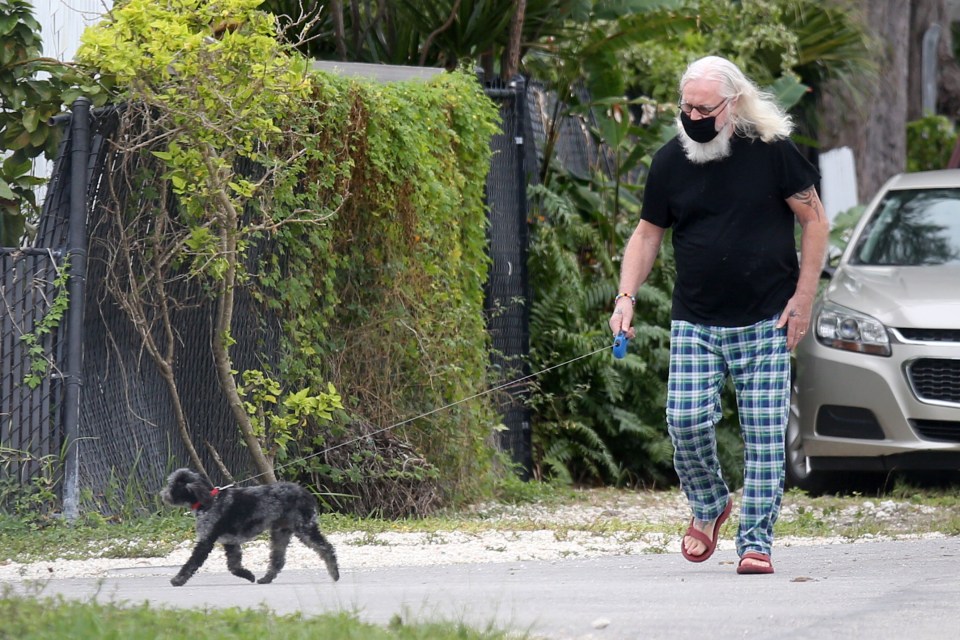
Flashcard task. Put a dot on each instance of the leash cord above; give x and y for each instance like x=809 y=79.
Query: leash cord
x=424 y=415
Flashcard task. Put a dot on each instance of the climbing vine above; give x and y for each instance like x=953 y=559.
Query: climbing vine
x=34 y=340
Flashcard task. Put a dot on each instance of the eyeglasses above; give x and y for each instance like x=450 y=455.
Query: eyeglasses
x=703 y=110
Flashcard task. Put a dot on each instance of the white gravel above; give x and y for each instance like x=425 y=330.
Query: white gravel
x=665 y=511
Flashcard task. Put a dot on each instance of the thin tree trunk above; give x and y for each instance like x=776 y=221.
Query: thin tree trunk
x=336 y=12
x=221 y=334
x=512 y=58
x=874 y=127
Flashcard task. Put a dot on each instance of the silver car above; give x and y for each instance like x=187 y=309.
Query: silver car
x=877 y=379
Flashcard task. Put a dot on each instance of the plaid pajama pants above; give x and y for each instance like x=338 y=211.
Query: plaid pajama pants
x=757 y=360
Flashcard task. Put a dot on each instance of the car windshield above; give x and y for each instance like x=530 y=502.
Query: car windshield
x=912 y=227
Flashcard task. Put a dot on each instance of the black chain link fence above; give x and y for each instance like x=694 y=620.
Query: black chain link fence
x=30 y=379
x=32 y=342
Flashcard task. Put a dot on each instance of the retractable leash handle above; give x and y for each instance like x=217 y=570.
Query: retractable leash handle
x=620 y=345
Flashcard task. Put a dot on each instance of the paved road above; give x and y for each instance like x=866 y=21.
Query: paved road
x=875 y=590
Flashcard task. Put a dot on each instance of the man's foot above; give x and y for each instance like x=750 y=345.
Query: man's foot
x=753 y=562
x=700 y=540
x=694 y=546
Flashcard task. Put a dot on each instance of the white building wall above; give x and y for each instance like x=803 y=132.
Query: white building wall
x=838 y=181
x=62 y=24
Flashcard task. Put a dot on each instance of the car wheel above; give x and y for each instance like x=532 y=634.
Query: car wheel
x=799 y=473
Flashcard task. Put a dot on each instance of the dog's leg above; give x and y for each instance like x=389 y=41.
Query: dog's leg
x=196 y=560
x=279 y=539
x=310 y=535
x=234 y=562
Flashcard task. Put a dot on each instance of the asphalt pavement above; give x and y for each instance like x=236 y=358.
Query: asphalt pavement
x=875 y=590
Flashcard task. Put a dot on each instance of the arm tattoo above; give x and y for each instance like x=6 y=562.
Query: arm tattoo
x=809 y=197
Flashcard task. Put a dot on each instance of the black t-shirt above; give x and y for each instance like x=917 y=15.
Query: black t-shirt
x=733 y=233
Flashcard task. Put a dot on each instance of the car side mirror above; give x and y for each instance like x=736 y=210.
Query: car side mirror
x=834 y=253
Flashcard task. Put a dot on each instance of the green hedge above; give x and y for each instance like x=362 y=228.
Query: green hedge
x=369 y=198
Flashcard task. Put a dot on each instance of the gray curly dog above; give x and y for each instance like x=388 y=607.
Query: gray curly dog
x=233 y=516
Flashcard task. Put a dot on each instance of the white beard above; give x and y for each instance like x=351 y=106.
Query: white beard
x=703 y=152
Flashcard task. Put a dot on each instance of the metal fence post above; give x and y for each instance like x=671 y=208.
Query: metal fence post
x=77 y=257
x=507 y=294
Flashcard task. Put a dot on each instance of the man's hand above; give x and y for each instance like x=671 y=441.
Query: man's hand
x=796 y=318
x=622 y=318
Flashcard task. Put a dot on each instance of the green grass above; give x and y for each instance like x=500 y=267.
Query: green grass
x=36 y=618
x=145 y=537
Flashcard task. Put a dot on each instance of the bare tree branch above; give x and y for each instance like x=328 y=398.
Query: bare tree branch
x=446 y=25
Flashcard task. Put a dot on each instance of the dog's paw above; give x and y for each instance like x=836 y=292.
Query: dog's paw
x=333 y=570
x=245 y=574
x=178 y=580
x=265 y=580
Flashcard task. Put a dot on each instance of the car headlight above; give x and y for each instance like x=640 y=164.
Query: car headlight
x=842 y=328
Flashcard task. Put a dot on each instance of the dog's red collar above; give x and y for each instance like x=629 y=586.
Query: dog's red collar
x=213 y=492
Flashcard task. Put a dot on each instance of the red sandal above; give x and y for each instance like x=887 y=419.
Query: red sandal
x=752 y=568
x=711 y=545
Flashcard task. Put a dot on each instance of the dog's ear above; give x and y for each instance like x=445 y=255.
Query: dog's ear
x=201 y=490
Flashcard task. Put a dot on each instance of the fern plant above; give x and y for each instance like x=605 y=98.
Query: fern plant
x=597 y=419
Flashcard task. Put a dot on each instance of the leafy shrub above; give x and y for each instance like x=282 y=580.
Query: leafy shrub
x=930 y=143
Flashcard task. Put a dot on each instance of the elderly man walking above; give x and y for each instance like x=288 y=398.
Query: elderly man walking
x=731 y=186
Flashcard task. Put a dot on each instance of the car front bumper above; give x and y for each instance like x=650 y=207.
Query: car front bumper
x=861 y=411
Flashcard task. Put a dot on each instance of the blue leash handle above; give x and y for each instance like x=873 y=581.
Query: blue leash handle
x=620 y=345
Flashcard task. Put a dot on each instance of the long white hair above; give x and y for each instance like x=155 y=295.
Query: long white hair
x=757 y=113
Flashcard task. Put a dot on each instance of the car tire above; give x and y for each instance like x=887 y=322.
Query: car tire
x=799 y=475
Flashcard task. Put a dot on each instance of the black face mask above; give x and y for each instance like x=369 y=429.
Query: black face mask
x=703 y=130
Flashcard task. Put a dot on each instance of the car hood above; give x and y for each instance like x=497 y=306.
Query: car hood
x=922 y=297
